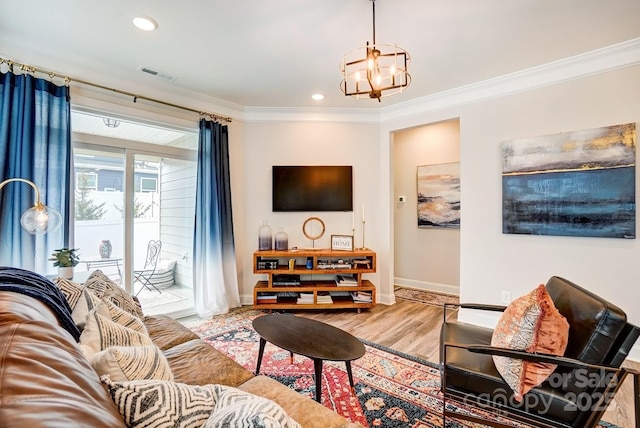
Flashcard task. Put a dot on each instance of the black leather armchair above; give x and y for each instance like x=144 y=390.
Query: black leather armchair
x=575 y=395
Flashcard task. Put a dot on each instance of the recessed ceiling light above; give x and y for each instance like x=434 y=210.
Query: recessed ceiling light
x=145 y=23
x=318 y=97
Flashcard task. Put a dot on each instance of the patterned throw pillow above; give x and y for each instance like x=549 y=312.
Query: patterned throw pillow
x=101 y=333
x=123 y=363
x=155 y=403
x=85 y=304
x=236 y=408
x=124 y=318
x=103 y=287
x=530 y=323
x=71 y=290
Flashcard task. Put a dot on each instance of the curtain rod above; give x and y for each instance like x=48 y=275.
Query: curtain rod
x=30 y=69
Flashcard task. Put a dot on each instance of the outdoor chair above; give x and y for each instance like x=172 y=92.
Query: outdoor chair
x=579 y=389
x=144 y=275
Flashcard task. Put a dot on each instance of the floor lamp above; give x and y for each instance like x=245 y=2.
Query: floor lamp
x=39 y=218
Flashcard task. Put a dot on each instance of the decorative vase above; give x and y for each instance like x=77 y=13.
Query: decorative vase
x=105 y=249
x=282 y=240
x=265 y=237
x=65 y=272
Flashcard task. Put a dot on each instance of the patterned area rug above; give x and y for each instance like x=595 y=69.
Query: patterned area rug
x=392 y=389
x=426 y=297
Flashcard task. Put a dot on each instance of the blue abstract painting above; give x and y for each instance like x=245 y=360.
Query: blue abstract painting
x=579 y=183
x=439 y=196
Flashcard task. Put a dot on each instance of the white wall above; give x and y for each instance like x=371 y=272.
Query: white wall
x=492 y=261
x=424 y=258
x=308 y=143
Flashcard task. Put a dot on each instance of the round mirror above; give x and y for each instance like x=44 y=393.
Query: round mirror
x=313 y=228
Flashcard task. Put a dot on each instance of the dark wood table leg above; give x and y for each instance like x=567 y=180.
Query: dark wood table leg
x=317 y=364
x=353 y=388
x=263 y=342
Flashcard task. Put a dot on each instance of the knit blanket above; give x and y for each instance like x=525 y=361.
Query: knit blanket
x=37 y=286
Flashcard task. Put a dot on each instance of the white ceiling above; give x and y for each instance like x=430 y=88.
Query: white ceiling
x=258 y=53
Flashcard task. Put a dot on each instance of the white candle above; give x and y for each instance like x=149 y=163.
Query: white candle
x=363 y=213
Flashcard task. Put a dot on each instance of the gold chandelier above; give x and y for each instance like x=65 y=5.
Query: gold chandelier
x=375 y=70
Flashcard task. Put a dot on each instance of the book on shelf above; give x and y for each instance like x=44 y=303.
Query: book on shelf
x=324 y=298
x=346 y=280
x=267 y=298
x=361 y=297
x=305 y=299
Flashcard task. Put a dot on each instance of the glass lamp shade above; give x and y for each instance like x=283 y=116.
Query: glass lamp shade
x=40 y=219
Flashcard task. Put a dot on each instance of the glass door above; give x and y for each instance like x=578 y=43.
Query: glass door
x=135 y=185
x=163 y=212
x=98 y=212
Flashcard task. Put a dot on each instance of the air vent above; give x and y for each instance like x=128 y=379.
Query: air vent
x=158 y=74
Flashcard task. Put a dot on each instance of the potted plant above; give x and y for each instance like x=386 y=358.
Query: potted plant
x=65 y=259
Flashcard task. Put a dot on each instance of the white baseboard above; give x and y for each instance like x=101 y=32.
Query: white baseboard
x=427 y=286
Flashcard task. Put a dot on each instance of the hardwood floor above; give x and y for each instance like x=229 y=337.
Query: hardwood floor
x=414 y=328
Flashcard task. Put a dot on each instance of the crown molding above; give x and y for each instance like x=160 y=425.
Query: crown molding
x=610 y=58
x=318 y=114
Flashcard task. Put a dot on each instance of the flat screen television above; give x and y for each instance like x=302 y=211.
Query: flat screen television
x=312 y=188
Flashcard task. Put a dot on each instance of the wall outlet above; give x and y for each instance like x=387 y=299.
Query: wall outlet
x=505 y=297
x=402 y=198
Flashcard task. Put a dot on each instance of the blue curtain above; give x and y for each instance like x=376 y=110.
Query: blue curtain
x=215 y=274
x=35 y=143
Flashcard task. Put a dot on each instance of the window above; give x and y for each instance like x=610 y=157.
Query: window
x=148 y=184
x=86 y=181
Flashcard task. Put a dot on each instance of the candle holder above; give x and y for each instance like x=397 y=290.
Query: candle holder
x=363 y=247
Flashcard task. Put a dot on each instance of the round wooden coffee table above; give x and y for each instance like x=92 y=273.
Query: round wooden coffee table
x=310 y=338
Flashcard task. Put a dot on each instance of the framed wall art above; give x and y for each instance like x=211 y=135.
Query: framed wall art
x=439 y=196
x=579 y=183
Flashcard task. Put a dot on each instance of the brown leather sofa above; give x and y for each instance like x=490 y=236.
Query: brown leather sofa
x=45 y=380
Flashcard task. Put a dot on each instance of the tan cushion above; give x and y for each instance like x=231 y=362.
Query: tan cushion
x=530 y=323
x=197 y=363
x=123 y=363
x=167 y=332
x=307 y=412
